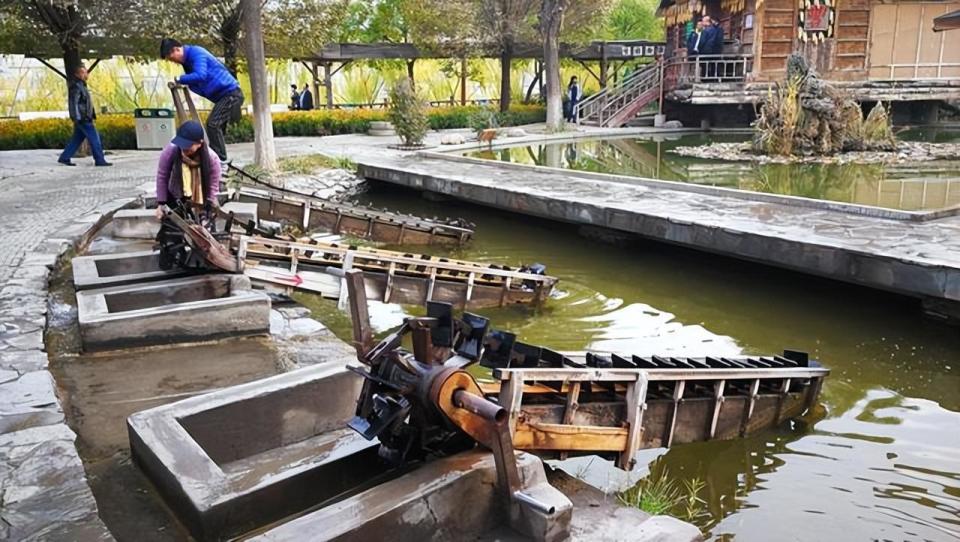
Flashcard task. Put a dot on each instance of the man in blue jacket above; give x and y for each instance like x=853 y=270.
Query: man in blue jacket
x=208 y=77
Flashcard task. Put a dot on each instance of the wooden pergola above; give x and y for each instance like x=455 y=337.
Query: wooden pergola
x=335 y=56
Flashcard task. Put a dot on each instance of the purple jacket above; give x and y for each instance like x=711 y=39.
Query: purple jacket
x=170 y=177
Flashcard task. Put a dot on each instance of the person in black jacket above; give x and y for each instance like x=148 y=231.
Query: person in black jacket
x=306 y=98
x=695 y=40
x=294 y=98
x=82 y=113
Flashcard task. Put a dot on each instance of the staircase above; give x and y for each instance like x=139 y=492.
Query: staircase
x=614 y=106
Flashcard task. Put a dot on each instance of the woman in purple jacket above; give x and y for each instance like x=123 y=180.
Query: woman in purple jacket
x=188 y=171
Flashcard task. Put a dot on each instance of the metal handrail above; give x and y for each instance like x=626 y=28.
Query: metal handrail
x=610 y=101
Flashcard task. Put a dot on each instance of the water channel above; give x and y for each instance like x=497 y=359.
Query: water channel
x=911 y=186
x=880 y=462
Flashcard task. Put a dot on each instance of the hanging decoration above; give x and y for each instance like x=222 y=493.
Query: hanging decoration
x=816 y=19
x=732 y=6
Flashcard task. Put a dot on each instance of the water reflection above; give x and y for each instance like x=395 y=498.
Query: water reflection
x=908 y=186
x=882 y=463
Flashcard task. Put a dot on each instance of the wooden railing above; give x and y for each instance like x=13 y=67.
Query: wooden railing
x=607 y=104
x=683 y=71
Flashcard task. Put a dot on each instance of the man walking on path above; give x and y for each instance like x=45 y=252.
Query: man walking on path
x=82 y=113
x=208 y=77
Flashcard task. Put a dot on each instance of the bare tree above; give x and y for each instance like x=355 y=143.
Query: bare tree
x=551 y=22
x=506 y=23
x=263 y=149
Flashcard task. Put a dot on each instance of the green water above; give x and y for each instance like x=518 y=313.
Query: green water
x=908 y=186
x=884 y=462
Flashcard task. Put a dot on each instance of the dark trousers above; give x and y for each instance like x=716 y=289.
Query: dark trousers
x=226 y=109
x=571 y=111
x=81 y=131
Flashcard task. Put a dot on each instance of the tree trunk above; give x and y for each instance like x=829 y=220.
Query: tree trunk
x=534 y=82
x=71 y=59
x=463 y=81
x=506 y=56
x=551 y=21
x=263 y=151
x=230 y=54
x=413 y=83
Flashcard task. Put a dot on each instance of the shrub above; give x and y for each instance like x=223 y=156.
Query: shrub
x=407 y=113
x=484 y=119
x=117 y=130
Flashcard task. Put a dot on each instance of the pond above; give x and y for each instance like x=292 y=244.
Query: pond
x=913 y=186
x=881 y=461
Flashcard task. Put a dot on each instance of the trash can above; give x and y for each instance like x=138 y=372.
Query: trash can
x=155 y=127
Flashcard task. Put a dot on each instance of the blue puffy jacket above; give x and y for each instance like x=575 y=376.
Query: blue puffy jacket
x=205 y=75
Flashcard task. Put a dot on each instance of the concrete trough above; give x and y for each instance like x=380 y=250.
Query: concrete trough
x=453 y=498
x=243 y=457
x=143 y=223
x=180 y=310
x=119 y=269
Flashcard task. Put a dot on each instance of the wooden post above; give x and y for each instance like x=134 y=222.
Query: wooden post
x=748 y=408
x=362 y=333
x=718 y=388
x=573 y=403
x=328 y=83
x=511 y=395
x=603 y=65
x=678 y=388
x=636 y=404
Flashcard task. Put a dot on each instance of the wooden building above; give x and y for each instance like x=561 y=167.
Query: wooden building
x=878 y=49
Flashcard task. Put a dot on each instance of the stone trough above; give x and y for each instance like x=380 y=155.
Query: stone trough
x=119 y=269
x=243 y=457
x=143 y=223
x=180 y=310
x=250 y=456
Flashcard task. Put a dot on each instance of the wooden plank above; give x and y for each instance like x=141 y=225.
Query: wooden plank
x=584 y=438
x=570 y=408
x=390 y=271
x=783 y=391
x=629 y=375
x=359 y=315
x=511 y=397
x=636 y=403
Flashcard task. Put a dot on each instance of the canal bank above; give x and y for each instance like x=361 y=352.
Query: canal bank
x=909 y=253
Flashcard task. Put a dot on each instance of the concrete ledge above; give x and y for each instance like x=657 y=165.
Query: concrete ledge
x=119 y=269
x=246 y=456
x=918 y=259
x=454 y=498
x=178 y=310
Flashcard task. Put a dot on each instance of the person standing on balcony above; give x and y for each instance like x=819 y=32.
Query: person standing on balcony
x=208 y=77
x=694 y=40
x=82 y=113
x=573 y=97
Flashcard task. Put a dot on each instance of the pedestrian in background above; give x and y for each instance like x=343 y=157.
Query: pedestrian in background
x=573 y=97
x=83 y=114
x=294 y=98
x=208 y=77
x=306 y=98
